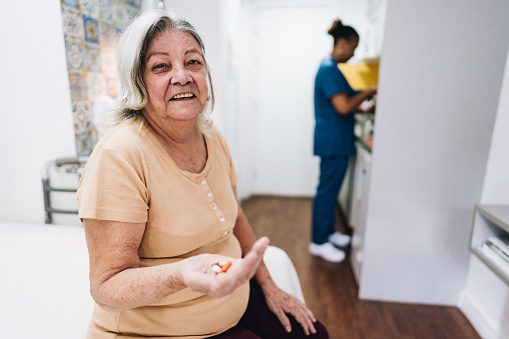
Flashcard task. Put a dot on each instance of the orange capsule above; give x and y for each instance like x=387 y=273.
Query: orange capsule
x=226 y=266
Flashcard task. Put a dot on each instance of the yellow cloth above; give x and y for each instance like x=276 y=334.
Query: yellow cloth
x=130 y=177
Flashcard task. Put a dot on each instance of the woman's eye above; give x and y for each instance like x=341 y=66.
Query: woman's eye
x=194 y=62
x=159 y=67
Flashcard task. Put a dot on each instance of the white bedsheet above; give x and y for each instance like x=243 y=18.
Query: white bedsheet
x=44 y=288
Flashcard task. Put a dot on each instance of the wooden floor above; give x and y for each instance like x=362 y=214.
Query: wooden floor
x=330 y=289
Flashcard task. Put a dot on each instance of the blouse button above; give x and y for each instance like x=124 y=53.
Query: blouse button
x=214 y=207
x=209 y=195
x=203 y=182
x=225 y=233
x=222 y=219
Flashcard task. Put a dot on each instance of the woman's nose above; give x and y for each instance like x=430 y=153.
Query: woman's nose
x=180 y=76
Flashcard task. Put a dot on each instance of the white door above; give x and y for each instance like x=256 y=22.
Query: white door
x=289 y=40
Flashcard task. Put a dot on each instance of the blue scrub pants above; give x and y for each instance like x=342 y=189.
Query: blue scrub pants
x=332 y=173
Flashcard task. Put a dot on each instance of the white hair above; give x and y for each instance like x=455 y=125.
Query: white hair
x=131 y=49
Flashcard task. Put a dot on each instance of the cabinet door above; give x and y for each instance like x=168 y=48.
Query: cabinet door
x=359 y=203
x=345 y=195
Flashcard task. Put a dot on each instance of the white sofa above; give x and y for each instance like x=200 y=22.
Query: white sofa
x=44 y=288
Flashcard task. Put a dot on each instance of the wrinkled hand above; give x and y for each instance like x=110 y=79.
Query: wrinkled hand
x=282 y=303
x=198 y=275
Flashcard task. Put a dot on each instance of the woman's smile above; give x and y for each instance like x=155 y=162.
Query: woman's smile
x=183 y=96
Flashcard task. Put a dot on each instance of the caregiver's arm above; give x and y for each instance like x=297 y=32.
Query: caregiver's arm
x=118 y=283
x=345 y=104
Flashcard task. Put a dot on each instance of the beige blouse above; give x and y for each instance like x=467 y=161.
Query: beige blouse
x=130 y=177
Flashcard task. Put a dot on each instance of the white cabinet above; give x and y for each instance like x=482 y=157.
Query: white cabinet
x=345 y=194
x=490 y=221
x=358 y=207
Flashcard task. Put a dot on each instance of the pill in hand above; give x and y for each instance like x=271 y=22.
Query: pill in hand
x=221 y=267
x=226 y=266
x=216 y=268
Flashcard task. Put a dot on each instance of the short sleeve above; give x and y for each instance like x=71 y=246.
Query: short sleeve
x=334 y=82
x=111 y=189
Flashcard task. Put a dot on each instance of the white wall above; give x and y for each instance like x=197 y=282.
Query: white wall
x=485 y=299
x=36 y=107
x=440 y=78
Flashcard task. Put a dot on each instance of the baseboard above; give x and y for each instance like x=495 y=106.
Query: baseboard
x=480 y=320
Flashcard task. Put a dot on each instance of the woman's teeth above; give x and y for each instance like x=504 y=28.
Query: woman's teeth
x=182 y=96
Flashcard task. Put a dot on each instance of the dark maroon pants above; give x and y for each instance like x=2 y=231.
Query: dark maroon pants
x=259 y=322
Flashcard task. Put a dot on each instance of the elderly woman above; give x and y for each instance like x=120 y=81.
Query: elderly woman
x=160 y=211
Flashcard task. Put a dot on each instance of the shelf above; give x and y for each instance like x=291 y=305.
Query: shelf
x=490 y=221
x=497 y=214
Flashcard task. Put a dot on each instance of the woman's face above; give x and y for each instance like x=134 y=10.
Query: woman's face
x=345 y=49
x=175 y=77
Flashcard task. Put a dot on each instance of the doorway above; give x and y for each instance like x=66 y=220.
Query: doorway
x=288 y=41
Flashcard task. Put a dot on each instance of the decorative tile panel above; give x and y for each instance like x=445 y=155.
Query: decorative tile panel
x=92 y=59
x=105 y=10
x=77 y=82
x=108 y=63
x=96 y=85
x=71 y=3
x=91 y=29
x=73 y=25
x=89 y=8
x=74 y=54
x=82 y=116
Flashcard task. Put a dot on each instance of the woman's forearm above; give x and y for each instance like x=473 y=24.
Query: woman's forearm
x=344 y=104
x=135 y=287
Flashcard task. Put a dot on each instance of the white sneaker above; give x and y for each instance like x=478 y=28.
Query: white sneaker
x=339 y=239
x=327 y=252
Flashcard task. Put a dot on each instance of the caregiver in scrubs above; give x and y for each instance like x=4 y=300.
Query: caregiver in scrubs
x=335 y=105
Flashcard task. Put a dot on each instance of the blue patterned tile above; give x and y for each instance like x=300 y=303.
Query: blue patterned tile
x=121 y=15
x=74 y=54
x=105 y=10
x=96 y=85
x=72 y=23
x=134 y=3
x=109 y=35
x=91 y=27
x=89 y=8
x=82 y=116
x=93 y=59
x=77 y=82
x=71 y=3
x=84 y=143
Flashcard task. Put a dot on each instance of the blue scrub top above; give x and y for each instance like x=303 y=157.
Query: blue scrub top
x=334 y=132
